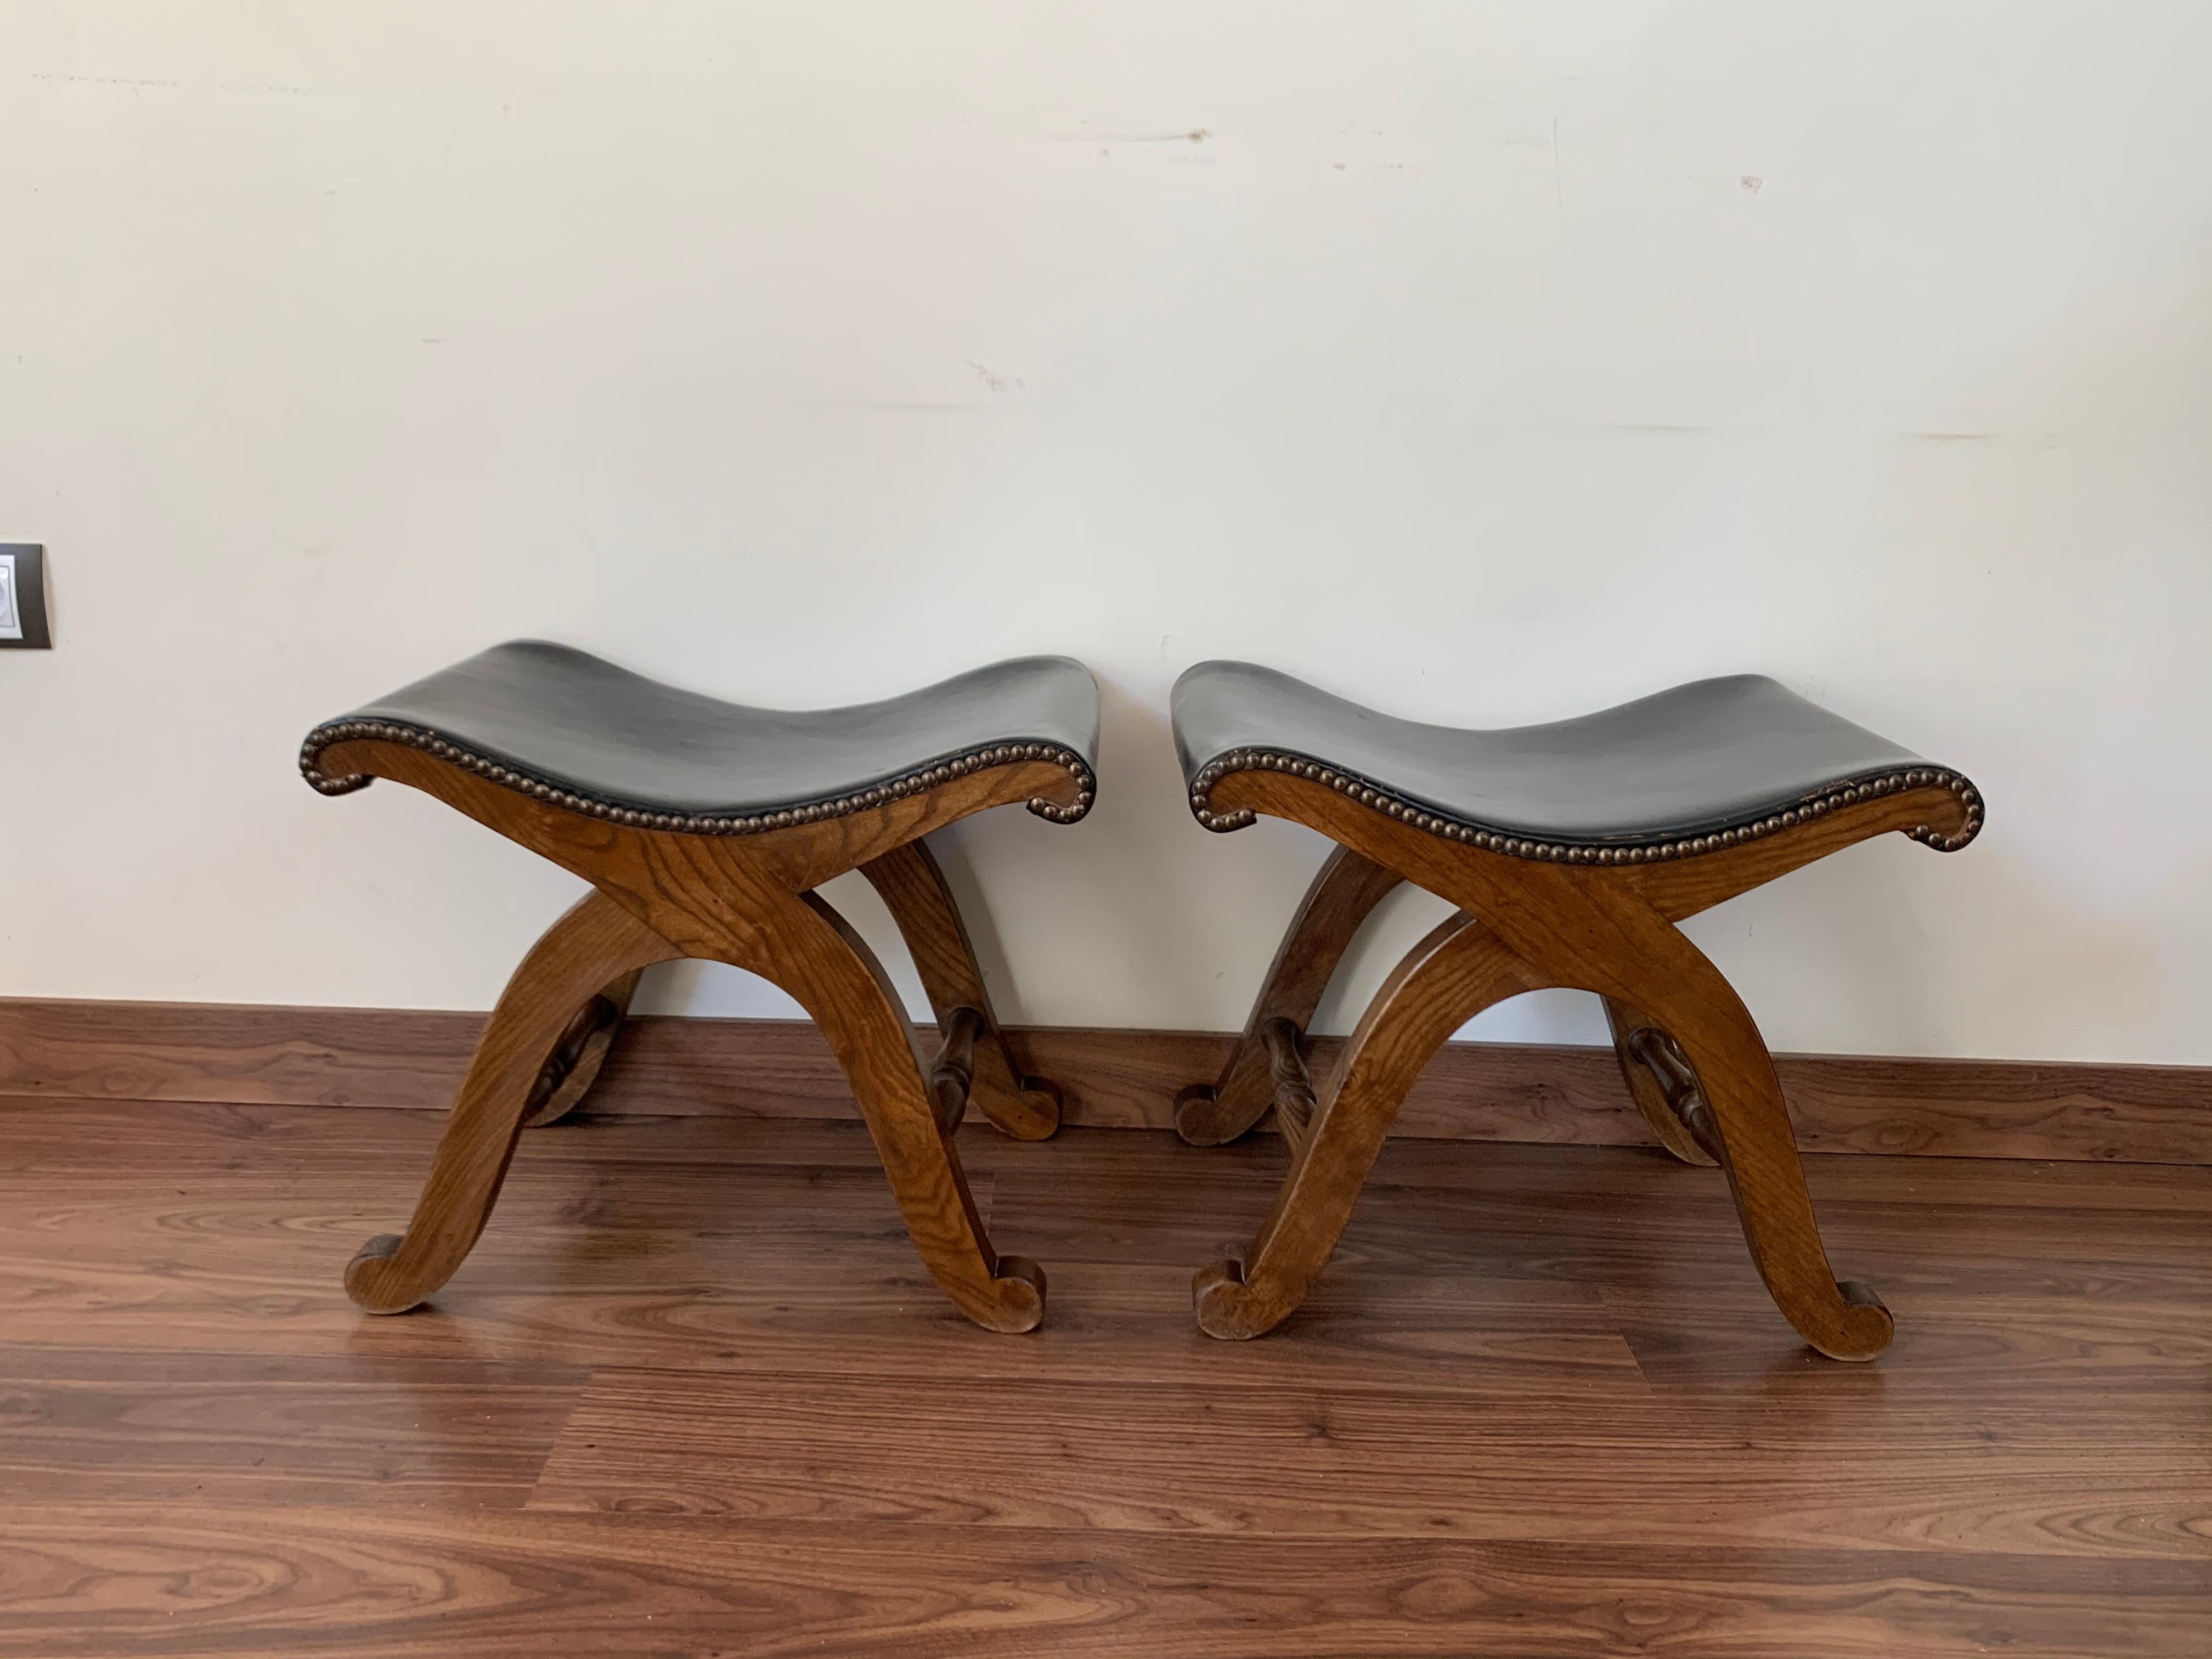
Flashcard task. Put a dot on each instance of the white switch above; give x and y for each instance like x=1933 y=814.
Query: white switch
x=11 y=626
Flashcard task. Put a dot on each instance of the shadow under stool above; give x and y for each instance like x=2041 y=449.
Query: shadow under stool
x=704 y=827
x=1570 y=851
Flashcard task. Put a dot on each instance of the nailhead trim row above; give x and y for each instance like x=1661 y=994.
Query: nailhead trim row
x=695 y=824
x=1421 y=817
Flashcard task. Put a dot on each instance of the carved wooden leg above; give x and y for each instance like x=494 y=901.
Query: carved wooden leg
x=820 y=960
x=574 y=1065
x=1648 y=1088
x=1447 y=979
x=1748 y=1128
x=1343 y=896
x=597 y=943
x=914 y=888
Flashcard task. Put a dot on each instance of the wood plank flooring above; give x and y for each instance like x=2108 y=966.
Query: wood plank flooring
x=693 y=1395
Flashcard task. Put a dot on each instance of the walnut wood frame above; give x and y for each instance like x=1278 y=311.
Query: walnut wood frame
x=1530 y=917
x=746 y=899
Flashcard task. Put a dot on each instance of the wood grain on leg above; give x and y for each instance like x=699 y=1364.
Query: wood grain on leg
x=747 y=900
x=832 y=972
x=914 y=888
x=1750 y=1122
x=1451 y=976
x=1609 y=929
x=1342 y=896
x=710 y=898
x=596 y=944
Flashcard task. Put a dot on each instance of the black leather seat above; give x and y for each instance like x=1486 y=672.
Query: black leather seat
x=1742 y=754
x=560 y=723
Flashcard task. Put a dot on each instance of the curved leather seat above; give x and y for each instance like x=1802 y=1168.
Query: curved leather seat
x=555 y=721
x=1709 y=763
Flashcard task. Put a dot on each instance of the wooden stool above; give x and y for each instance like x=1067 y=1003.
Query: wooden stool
x=1572 y=850
x=703 y=828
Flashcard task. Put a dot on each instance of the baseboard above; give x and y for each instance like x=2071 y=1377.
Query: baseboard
x=413 y=1057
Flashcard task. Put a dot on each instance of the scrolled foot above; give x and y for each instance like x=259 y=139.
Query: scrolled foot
x=1193 y=1121
x=1041 y=1119
x=1228 y=1308
x=369 y=1278
x=1020 y=1108
x=1017 y=1297
x=1865 y=1328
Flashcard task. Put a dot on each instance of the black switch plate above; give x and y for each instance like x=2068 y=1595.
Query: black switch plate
x=23 y=597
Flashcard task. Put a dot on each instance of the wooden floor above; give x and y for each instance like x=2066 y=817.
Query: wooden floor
x=693 y=1396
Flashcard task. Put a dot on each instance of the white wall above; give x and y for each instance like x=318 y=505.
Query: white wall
x=1489 y=363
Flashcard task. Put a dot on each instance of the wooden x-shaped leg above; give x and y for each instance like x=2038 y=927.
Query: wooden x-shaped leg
x=749 y=901
x=1694 y=1056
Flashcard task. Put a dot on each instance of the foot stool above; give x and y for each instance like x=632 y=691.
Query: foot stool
x=1572 y=850
x=703 y=828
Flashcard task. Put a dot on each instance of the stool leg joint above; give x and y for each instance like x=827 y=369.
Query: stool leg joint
x=914 y=890
x=593 y=1026
x=1342 y=896
x=1293 y=1095
x=1663 y=1058
x=952 y=1074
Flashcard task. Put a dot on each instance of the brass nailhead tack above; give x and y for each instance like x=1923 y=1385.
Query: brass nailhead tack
x=322 y=738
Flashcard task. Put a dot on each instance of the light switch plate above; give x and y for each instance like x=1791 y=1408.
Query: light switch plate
x=23 y=620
